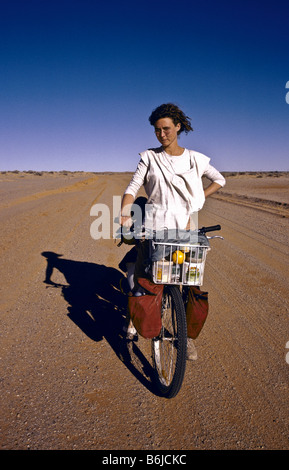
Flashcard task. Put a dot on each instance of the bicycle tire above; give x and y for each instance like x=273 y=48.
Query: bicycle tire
x=169 y=349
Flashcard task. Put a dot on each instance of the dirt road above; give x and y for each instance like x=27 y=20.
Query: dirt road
x=66 y=380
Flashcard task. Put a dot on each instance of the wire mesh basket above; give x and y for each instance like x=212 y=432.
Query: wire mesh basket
x=181 y=264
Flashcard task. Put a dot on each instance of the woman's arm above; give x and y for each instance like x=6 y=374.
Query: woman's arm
x=125 y=212
x=216 y=178
x=211 y=189
x=131 y=192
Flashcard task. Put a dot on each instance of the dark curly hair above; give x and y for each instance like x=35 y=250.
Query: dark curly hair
x=170 y=110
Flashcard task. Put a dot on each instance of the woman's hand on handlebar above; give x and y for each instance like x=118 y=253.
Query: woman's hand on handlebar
x=125 y=221
x=125 y=212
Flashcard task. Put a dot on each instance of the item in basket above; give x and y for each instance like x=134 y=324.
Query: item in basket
x=194 y=255
x=178 y=257
x=163 y=271
x=176 y=273
x=193 y=272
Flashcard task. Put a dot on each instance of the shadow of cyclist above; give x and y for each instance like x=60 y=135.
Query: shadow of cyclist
x=97 y=306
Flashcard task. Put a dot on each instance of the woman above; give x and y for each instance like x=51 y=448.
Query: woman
x=172 y=177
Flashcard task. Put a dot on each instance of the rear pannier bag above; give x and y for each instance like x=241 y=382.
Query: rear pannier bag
x=145 y=310
x=196 y=311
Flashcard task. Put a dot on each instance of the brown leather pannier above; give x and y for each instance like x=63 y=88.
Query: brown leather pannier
x=196 y=311
x=145 y=310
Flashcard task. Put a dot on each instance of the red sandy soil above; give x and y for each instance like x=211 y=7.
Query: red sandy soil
x=67 y=381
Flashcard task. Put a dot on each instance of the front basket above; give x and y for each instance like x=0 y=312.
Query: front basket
x=180 y=264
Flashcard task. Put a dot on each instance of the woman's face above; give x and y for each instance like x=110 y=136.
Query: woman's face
x=166 y=131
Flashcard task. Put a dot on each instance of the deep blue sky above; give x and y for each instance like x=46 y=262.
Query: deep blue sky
x=79 y=79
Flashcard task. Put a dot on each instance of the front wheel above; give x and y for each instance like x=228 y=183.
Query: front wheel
x=170 y=347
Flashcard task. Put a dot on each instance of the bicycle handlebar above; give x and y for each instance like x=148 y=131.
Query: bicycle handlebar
x=202 y=231
x=212 y=228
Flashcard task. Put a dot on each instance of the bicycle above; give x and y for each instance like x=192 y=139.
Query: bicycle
x=177 y=265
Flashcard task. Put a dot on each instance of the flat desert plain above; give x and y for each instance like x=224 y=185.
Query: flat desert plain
x=67 y=379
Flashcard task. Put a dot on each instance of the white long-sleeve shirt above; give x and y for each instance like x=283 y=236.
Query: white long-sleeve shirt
x=173 y=185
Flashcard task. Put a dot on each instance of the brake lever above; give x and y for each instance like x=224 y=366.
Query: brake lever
x=215 y=236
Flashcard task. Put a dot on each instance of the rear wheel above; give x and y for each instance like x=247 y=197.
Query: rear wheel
x=170 y=347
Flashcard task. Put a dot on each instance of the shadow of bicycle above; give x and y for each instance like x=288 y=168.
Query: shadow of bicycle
x=98 y=307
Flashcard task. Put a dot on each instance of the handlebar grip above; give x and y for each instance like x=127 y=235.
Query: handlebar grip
x=212 y=228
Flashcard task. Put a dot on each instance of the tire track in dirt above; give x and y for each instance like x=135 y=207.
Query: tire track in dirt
x=273 y=207
x=76 y=186
x=245 y=329
x=32 y=223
